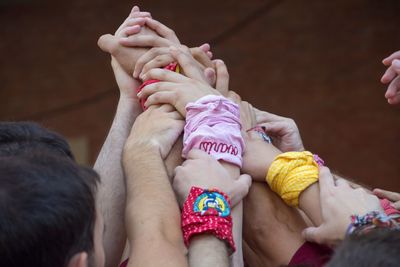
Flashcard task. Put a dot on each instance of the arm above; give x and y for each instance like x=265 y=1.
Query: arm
x=152 y=213
x=203 y=171
x=201 y=247
x=111 y=195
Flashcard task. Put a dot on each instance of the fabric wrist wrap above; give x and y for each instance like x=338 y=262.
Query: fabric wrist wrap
x=207 y=211
x=213 y=125
x=372 y=220
x=291 y=173
x=172 y=67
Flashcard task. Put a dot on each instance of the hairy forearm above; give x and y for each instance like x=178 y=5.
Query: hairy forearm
x=111 y=192
x=207 y=250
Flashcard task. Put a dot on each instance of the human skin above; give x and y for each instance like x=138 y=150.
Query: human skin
x=152 y=212
x=178 y=90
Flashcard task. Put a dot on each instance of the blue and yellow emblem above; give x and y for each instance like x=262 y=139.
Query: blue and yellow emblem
x=212 y=203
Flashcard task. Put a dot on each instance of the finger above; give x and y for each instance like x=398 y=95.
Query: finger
x=222 y=83
x=389 y=75
x=326 y=181
x=209 y=54
x=205 y=47
x=198 y=154
x=135 y=22
x=135 y=9
x=162 y=30
x=393 y=88
x=164 y=75
x=188 y=64
x=175 y=115
x=106 y=42
x=395 y=99
x=234 y=97
x=147 y=57
x=166 y=108
x=242 y=186
x=210 y=75
x=132 y=30
x=140 y=14
x=396 y=205
x=158 y=62
x=144 y=41
x=154 y=88
x=161 y=98
x=201 y=57
x=392 y=196
x=313 y=234
x=263 y=116
x=388 y=61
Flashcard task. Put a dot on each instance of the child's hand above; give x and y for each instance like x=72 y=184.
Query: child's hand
x=177 y=89
x=392 y=78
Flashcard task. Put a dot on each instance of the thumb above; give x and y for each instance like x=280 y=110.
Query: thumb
x=106 y=42
x=210 y=76
x=242 y=185
x=313 y=234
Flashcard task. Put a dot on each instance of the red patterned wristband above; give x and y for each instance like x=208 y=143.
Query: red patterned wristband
x=207 y=211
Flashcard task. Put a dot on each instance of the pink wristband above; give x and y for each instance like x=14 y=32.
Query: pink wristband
x=213 y=125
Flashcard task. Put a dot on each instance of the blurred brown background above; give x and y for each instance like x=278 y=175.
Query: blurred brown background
x=318 y=62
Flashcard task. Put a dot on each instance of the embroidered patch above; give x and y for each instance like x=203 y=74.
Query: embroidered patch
x=211 y=203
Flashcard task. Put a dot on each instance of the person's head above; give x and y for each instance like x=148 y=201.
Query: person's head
x=20 y=138
x=379 y=247
x=48 y=214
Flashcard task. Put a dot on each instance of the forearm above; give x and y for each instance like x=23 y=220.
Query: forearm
x=152 y=212
x=111 y=192
x=207 y=250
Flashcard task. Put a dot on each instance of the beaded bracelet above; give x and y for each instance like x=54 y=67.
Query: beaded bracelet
x=372 y=220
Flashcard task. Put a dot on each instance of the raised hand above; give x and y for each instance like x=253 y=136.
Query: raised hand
x=392 y=78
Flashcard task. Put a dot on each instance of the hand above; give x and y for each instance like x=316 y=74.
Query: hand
x=161 y=36
x=174 y=88
x=133 y=28
x=284 y=132
x=158 y=127
x=392 y=78
x=338 y=203
x=391 y=196
x=204 y=171
x=159 y=57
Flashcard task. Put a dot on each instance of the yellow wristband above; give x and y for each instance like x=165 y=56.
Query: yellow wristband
x=291 y=173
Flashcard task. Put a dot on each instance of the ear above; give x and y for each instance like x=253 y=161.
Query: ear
x=79 y=260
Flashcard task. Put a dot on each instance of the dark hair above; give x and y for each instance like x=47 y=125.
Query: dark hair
x=18 y=138
x=47 y=210
x=379 y=247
